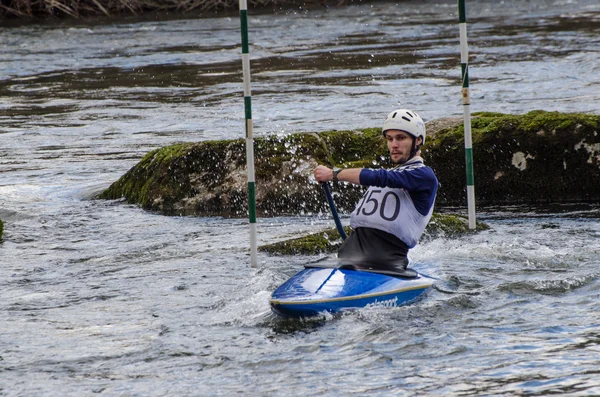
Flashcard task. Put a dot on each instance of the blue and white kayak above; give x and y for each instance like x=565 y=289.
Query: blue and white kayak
x=316 y=290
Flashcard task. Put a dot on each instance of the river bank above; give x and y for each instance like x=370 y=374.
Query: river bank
x=78 y=9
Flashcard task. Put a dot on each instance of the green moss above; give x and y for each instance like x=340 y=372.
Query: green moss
x=329 y=240
x=1 y=228
x=162 y=177
x=345 y=147
x=488 y=114
x=531 y=122
x=326 y=241
x=537 y=120
x=137 y=184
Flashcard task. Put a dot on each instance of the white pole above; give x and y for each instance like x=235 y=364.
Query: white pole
x=249 y=132
x=466 y=99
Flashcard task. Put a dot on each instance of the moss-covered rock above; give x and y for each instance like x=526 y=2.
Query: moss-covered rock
x=329 y=240
x=210 y=178
x=536 y=157
x=325 y=241
x=1 y=229
x=450 y=225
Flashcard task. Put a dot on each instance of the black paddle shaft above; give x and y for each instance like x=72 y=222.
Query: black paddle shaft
x=336 y=218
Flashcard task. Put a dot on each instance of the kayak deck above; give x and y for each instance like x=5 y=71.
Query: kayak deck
x=316 y=290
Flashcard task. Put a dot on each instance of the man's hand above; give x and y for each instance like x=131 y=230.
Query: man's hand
x=323 y=174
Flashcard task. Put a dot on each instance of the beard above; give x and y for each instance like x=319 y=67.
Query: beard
x=405 y=157
x=399 y=160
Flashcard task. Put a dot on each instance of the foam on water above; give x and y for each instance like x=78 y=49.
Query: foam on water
x=101 y=297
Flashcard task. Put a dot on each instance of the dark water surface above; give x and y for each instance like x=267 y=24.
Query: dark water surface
x=102 y=298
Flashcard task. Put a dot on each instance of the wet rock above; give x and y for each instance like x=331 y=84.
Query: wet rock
x=210 y=178
x=537 y=157
x=329 y=240
x=325 y=241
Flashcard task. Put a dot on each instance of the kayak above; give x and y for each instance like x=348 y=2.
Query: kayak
x=315 y=290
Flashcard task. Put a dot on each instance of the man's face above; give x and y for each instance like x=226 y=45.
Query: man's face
x=399 y=144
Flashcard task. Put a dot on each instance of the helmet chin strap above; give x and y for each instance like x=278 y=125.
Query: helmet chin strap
x=414 y=149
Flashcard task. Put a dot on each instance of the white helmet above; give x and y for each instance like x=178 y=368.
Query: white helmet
x=405 y=120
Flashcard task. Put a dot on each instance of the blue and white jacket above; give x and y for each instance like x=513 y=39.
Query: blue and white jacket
x=398 y=201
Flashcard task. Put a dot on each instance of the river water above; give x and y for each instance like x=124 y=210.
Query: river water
x=102 y=298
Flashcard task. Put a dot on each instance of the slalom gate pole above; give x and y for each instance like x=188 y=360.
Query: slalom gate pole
x=249 y=131
x=466 y=99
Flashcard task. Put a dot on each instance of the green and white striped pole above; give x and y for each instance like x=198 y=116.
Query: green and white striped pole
x=466 y=99
x=249 y=135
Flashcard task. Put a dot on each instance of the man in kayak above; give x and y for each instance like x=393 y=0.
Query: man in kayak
x=393 y=213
